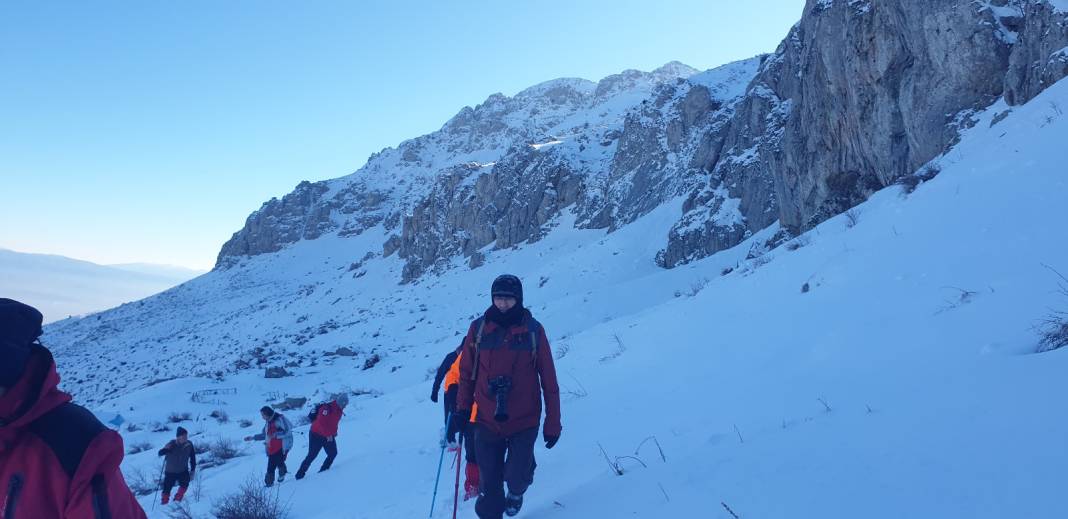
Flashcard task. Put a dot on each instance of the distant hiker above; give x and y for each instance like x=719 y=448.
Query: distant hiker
x=277 y=438
x=56 y=459
x=324 y=419
x=507 y=368
x=449 y=372
x=179 y=465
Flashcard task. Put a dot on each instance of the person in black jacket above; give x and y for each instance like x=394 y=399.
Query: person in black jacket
x=449 y=405
x=449 y=372
x=180 y=464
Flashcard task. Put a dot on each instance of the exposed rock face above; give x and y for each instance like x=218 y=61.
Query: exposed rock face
x=298 y=215
x=1040 y=57
x=858 y=95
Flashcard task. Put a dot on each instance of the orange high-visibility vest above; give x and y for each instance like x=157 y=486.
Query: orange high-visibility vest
x=453 y=377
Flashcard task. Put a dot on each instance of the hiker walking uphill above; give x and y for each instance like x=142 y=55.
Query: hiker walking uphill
x=179 y=465
x=449 y=373
x=324 y=419
x=277 y=438
x=57 y=461
x=507 y=369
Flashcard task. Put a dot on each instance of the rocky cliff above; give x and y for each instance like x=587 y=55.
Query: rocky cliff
x=858 y=95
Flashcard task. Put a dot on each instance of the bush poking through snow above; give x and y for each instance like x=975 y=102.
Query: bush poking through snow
x=225 y=449
x=138 y=447
x=180 y=511
x=852 y=217
x=616 y=463
x=220 y=416
x=620 y=349
x=179 y=417
x=251 y=501
x=1053 y=328
x=141 y=483
x=244 y=423
x=909 y=183
x=963 y=297
x=697 y=286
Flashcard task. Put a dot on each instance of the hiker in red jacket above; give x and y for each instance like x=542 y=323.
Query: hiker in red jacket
x=506 y=369
x=57 y=460
x=277 y=438
x=325 y=419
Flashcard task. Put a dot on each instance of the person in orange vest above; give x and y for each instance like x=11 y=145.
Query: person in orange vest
x=449 y=373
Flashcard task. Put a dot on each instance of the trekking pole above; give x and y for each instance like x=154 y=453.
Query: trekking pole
x=159 y=484
x=456 y=490
x=441 y=461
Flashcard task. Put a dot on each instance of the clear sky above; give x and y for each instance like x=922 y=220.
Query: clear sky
x=147 y=131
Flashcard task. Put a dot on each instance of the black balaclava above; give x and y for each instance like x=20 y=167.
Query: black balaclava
x=509 y=286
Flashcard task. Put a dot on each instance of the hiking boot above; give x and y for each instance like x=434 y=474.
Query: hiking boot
x=299 y=476
x=512 y=504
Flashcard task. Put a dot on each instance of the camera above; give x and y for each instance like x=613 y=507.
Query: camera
x=499 y=388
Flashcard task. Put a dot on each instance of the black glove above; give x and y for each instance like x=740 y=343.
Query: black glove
x=434 y=396
x=461 y=418
x=550 y=441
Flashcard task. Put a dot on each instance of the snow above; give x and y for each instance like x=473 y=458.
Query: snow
x=935 y=405
x=544 y=144
x=1059 y=6
x=728 y=81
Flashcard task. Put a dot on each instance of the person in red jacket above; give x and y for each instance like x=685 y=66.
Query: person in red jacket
x=325 y=419
x=277 y=438
x=57 y=460
x=507 y=369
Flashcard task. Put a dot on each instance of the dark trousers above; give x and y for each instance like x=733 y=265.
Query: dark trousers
x=316 y=443
x=169 y=479
x=502 y=459
x=449 y=405
x=276 y=461
x=451 y=427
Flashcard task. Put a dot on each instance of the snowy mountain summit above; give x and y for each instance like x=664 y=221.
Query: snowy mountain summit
x=813 y=277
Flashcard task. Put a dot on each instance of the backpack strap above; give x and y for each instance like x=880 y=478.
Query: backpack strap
x=478 y=347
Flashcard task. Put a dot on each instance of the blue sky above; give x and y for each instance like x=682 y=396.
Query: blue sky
x=148 y=131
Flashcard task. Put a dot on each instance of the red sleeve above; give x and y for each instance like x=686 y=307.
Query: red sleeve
x=98 y=483
x=549 y=387
x=465 y=398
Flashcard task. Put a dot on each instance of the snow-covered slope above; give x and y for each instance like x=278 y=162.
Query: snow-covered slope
x=63 y=287
x=880 y=365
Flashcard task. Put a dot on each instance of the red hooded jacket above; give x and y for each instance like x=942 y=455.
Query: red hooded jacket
x=327 y=417
x=56 y=459
x=522 y=353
